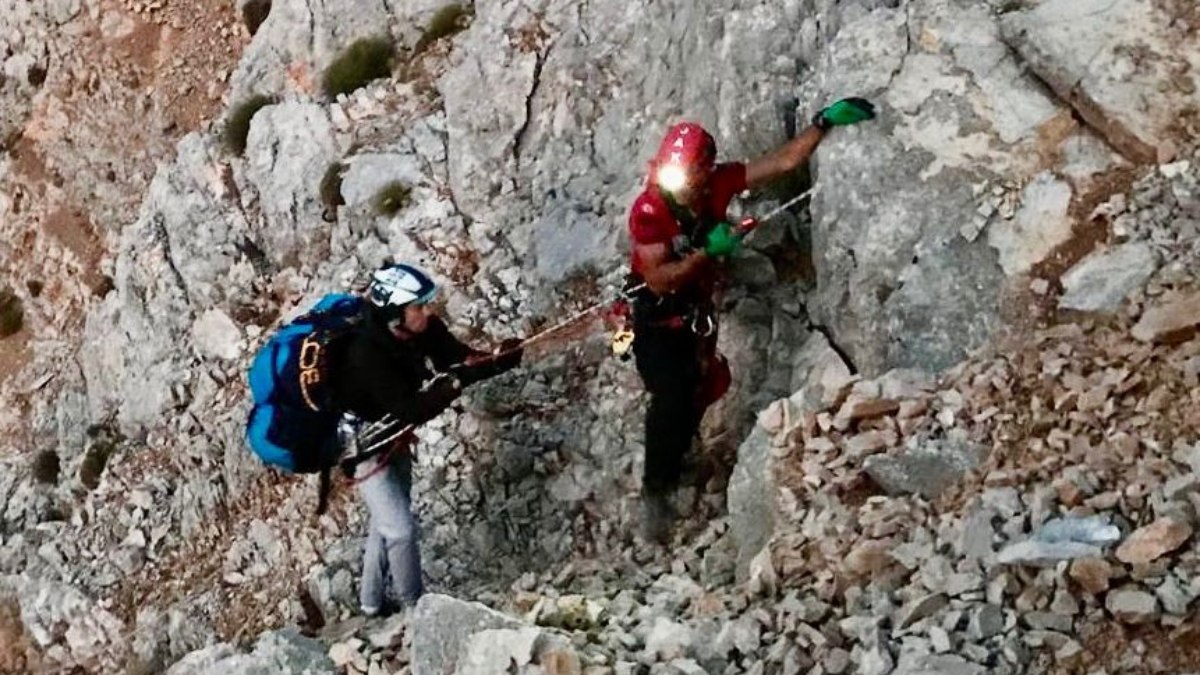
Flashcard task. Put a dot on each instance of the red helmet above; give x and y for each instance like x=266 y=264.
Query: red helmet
x=687 y=145
x=684 y=158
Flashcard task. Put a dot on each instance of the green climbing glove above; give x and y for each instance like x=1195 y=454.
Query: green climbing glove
x=844 y=112
x=722 y=240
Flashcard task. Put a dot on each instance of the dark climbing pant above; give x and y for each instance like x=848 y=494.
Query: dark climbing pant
x=671 y=362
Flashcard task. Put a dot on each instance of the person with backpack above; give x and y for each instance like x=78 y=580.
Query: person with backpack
x=680 y=232
x=401 y=362
x=383 y=361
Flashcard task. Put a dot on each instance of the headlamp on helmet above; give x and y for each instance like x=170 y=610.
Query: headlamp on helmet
x=684 y=157
x=672 y=177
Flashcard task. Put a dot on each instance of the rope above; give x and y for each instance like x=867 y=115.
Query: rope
x=584 y=313
x=373 y=447
x=380 y=466
x=786 y=205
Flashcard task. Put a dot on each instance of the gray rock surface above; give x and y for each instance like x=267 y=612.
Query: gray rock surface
x=1085 y=50
x=442 y=628
x=1101 y=281
x=926 y=470
x=1131 y=605
x=300 y=38
x=903 y=279
x=289 y=148
x=751 y=503
x=943 y=664
x=275 y=652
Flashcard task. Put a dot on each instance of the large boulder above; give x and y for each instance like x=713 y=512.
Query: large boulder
x=442 y=626
x=289 y=148
x=283 y=651
x=914 y=236
x=183 y=256
x=466 y=638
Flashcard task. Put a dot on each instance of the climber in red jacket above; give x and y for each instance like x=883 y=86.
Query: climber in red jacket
x=680 y=231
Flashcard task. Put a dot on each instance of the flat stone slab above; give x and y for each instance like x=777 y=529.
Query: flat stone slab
x=1101 y=281
x=1130 y=67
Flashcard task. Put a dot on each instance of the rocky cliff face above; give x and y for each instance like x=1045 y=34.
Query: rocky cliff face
x=1011 y=178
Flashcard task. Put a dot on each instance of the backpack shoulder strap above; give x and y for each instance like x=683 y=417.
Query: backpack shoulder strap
x=325 y=489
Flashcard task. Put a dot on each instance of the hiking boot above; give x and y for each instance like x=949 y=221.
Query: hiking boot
x=657 y=517
x=389 y=608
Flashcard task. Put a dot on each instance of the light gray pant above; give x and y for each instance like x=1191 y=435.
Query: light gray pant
x=392 y=535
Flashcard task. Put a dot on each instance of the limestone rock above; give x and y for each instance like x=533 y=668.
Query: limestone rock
x=668 y=640
x=289 y=148
x=1081 y=48
x=275 y=652
x=442 y=626
x=1040 y=224
x=1099 y=282
x=1093 y=574
x=215 y=334
x=941 y=664
x=1149 y=543
x=299 y=39
x=1169 y=317
x=873 y=229
x=927 y=471
x=1133 y=606
x=751 y=500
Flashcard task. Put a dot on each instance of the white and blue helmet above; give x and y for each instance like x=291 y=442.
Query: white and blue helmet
x=394 y=287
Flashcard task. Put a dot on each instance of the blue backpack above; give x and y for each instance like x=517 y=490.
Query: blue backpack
x=293 y=425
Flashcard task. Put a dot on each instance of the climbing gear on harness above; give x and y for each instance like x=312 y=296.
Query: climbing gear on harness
x=703 y=324
x=379 y=436
x=383 y=450
x=622 y=343
x=844 y=112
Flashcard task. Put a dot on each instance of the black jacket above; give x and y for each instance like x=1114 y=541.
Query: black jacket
x=372 y=373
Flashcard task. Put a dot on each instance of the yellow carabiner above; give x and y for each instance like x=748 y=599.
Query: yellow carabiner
x=622 y=342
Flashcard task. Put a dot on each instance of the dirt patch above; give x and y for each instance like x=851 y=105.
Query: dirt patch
x=1140 y=650
x=14 y=354
x=17 y=651
x=1050 y=137
x=250 y=607
x=1088 y=232
x=1023 y=307
x=74 y=231
x=190 y=48
x=29 y=164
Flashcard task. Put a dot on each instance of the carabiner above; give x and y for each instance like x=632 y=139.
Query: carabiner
x=710 y=326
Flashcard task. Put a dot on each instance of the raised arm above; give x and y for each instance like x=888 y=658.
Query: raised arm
x=783 y=160
x=791 y=155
